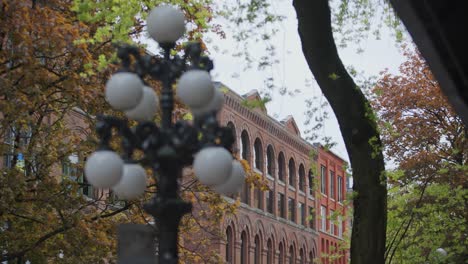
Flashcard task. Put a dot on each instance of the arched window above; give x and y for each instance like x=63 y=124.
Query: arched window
x=281 y=167
x=258 y=155
x=292 y=173
x=257 y=251
x=311 y=258
x=270 y=253
x=311 y=183
x=245 y=146
x=301 y=257
x=245 y=193
x=234 y=148
x=244 y=248
x=270 y=161
x=301 y=178
x=281 y=253
x=229 y=245
x=327 y=249
x=292 y=257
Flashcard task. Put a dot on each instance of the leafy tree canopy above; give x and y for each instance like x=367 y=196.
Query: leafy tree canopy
x=428 y=142
x=54 y=61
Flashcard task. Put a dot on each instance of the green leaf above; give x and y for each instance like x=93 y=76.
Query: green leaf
x=334 y=76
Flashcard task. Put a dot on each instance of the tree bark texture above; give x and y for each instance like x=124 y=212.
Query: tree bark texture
x=358 y=128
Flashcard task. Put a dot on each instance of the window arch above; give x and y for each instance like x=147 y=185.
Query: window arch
x=311 y=183
x=270 y=161
x=281 y=253
x=292 y=257
x=281 y=167
x=292 y=172
x=245 y=146
x=301 y=257
x=257 y=251
x=270 y=252
x=229 y=245
x=244 y=248
x=234 y=147
x=301 y=178
x=258 y=154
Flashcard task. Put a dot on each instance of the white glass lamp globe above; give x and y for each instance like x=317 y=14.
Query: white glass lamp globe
x=213 y=165
x=234 y=182
x=441 y=251
x=147 y=107
x=215 y=104
x=195 y=88
x=124 y=90
x=166 y=24
x=103 y=169
x=133 y=182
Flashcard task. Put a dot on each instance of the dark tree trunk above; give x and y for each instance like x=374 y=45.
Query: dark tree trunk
x=358 y=128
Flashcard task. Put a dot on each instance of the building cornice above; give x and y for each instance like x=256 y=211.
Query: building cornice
x=275 y=128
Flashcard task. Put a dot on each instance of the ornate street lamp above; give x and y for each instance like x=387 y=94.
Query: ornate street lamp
x=171 y=146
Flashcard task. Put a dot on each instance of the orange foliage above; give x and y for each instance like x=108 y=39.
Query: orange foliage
x=47 y=75
x=421 y=131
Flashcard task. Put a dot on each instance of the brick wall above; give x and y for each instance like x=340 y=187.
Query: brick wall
x=260 y=236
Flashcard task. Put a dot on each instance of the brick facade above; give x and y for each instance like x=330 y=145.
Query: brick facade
x=332 y=201
x=284 y=230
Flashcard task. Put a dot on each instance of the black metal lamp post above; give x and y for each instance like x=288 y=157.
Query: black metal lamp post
x=172 y=146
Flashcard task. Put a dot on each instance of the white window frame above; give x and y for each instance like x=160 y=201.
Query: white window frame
x=331 y=185
x=323 y=179
x=332 y=224
x=323 y=218
x=9 y=139
x=339 y=189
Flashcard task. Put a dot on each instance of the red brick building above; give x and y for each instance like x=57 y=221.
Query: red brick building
x=331 y=211
x=292 y=222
